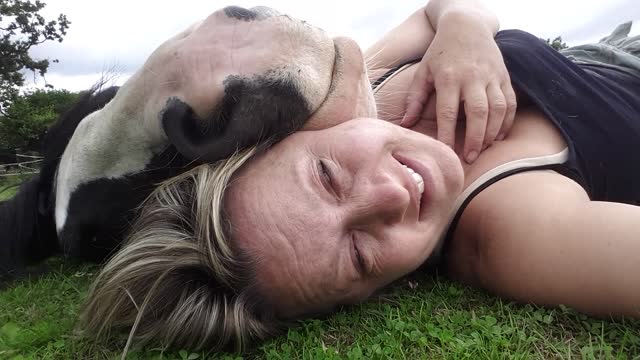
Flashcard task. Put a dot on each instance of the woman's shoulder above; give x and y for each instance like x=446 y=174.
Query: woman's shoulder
x=525 y=206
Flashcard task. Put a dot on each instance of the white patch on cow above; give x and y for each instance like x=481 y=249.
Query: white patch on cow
x=107 y=144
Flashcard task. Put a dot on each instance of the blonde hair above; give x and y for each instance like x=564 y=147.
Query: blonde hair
x=178 y=280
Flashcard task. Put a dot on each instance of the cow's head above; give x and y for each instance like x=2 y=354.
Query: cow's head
x=240 y=77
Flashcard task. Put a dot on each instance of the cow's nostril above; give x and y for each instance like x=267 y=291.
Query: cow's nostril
x=255 y=13
x=240 y=13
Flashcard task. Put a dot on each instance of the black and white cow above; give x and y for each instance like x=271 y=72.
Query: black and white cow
x=238 y=78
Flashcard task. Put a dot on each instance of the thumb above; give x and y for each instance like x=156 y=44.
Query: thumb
x=419 y=91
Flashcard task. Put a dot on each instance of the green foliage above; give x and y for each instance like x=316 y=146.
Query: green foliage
x=9 y=185
x=427 y=318
x=557 y=43
x=22 y=27
x=28 y=117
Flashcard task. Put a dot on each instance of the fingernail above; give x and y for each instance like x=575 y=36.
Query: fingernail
x=472 y=156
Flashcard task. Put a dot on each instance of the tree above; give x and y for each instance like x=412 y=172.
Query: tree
x=22 y=27
x=28 y=117
x=557 y=43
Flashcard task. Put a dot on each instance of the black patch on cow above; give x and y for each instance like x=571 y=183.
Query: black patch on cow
x=240 y=13
x=253 y=111
x=26 y=236
x=27 y=230
x=100 y=212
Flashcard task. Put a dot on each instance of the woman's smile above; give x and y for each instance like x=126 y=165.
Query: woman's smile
x=423 y=179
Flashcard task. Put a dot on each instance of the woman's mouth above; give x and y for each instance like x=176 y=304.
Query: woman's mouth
x=421 y=176
x=416 y=177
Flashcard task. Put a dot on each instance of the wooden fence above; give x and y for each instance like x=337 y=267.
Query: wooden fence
x=24 y=165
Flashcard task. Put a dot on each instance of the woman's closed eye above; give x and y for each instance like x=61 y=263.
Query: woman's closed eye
x=359 y=260
x=326 y=176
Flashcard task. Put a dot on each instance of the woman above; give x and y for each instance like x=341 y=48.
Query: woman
x=226 y=252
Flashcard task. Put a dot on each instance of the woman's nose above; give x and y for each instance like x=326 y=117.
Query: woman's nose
x=386 y=201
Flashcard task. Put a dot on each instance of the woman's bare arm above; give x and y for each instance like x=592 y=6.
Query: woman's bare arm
x=409 y=40
x=551 y=245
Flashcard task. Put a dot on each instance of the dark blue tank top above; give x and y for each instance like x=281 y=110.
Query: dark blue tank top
x=596 y=108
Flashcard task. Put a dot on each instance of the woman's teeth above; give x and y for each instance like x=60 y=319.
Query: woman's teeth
x=416 y=177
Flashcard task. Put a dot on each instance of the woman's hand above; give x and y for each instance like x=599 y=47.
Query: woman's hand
x=464 y=66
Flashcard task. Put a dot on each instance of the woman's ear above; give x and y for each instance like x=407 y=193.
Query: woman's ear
x=252 y=112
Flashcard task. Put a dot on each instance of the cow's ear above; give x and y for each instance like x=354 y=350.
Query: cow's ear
x=196 y=138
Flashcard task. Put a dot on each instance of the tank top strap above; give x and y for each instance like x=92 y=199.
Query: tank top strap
x=552 y=162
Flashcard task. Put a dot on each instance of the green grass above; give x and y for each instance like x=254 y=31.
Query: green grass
x=436 y=319
x=418 y=317
x=9 y=185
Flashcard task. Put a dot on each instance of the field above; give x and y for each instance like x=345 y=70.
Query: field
x=423 y=316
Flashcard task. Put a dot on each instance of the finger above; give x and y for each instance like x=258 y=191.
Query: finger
x=412 y=115
x=428 y=117
x=419 y=91
x=510 y=114
x=447 y=104
x=497 y=111
x=477 y=110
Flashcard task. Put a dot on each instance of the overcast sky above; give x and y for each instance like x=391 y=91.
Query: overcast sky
x=120 y=34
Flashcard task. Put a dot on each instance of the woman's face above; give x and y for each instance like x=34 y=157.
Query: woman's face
x=332 y=215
